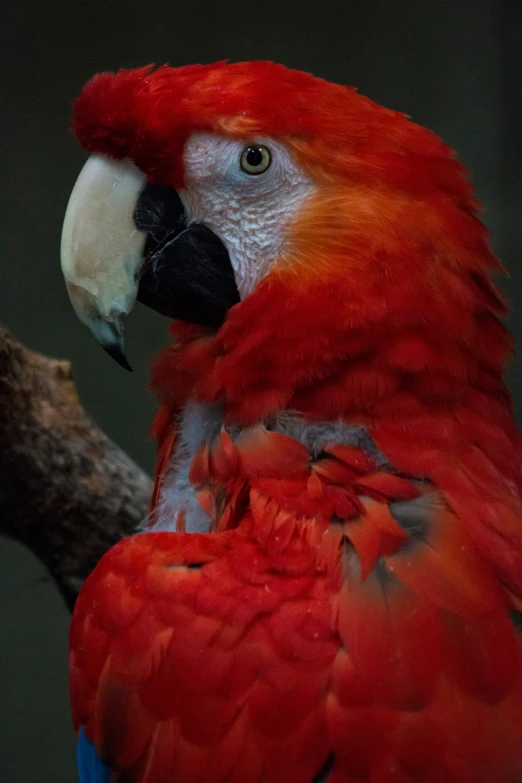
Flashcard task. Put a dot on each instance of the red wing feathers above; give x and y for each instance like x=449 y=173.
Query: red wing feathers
x=214 y=667
x=376 y=632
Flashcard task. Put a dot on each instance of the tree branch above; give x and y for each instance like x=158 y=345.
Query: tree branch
x=66 y=491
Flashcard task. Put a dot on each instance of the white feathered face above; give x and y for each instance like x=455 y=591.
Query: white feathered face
x=246 y=194
x=190 y=255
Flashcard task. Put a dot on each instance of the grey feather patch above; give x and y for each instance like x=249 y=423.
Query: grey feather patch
x=199 y=423
x=315 y=436
x=416 y=516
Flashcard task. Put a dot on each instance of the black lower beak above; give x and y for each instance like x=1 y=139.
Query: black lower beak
x=187 y=273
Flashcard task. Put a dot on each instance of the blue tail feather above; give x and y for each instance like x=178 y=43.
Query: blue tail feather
x=90 y=768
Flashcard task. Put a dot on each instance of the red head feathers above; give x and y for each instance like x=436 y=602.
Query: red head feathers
x=148 y=114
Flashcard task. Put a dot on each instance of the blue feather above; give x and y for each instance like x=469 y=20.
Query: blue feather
x=90 y=768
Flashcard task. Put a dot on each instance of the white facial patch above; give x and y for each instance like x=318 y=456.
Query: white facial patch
x=248 y=212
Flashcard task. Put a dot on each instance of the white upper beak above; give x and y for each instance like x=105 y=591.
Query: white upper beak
x=102 y=250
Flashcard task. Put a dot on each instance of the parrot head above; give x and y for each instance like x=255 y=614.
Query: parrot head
x=296 y=222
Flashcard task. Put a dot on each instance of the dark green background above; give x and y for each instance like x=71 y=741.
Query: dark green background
x=451 y=64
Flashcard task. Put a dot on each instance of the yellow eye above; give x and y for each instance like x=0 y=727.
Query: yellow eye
x=255 y=159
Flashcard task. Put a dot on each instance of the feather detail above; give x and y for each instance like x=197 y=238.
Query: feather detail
x=304 y=624
x=90 y=768
x=164 y=432
x=174 y=683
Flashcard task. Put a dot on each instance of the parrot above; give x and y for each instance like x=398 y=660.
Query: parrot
x=328 y=586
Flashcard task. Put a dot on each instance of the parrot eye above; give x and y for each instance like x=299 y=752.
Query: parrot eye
x=255 y=159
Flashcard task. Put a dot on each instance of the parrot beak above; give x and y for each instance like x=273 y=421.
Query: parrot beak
x=125 y=238
x=102 y=249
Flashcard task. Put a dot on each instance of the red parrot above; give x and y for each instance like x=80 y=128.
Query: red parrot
x=329 y=585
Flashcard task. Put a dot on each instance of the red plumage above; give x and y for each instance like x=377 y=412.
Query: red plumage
x=311 y=621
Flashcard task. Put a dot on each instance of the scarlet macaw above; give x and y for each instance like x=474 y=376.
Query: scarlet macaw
x=329 y=586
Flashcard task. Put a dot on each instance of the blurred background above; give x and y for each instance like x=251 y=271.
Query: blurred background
x=452 y=65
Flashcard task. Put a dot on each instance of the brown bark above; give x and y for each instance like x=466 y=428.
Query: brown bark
x=66 y=491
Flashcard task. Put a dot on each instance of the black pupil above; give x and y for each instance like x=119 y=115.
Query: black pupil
x=254 y=157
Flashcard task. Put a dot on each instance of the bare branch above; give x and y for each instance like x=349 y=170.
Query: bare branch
x=66 y=491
